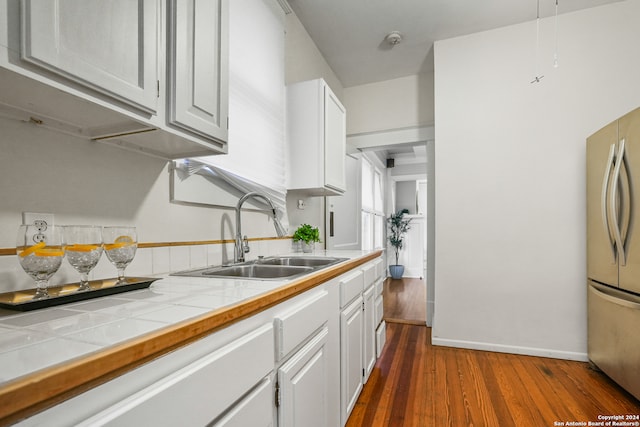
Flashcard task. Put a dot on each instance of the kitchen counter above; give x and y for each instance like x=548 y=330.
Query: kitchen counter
x=49 y=355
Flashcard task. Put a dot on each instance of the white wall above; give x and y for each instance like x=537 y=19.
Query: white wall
x=510 y=176
x=391 y=104
x=85 y=182
x=303 y=61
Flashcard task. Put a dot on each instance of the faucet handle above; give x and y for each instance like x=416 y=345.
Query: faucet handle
x=245 y=245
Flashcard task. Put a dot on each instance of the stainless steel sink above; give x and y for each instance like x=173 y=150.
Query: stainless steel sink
x=272 y=268
x=305 y=261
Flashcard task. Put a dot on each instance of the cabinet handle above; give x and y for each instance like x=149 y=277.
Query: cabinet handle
x=331 y=224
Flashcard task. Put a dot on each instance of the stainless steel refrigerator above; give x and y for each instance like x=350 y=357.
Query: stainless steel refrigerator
x=613 y=250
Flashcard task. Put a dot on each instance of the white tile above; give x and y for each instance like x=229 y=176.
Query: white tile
x=10 y=339
x=226 y=253
x=116 y=332
x=161 y=260
x=65 y=274
x=104 y=269
x=142 y=264
x=13 y=276
x=236 y=293
x=179 y=258
x=121 y=308
x=70 y=324
x=36 y=317
x=173 y=314
x=197 y=256
x=214 y=254
x=24 y=360
x=170 y=289
x=207 y=301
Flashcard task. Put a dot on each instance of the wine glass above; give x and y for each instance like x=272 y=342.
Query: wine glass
x=120 y=244
x=40 y=254
x=83 y=247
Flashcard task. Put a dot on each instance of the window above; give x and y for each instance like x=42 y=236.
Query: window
x=372 y=205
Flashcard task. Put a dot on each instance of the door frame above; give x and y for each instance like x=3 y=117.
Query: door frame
x=418 y=134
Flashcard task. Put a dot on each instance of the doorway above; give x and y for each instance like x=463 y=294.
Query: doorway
x=413 y=154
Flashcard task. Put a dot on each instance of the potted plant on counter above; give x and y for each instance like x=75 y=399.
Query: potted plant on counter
x=398 y=226
x=307 y=235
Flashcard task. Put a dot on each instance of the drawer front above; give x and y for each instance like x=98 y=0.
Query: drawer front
x=381 y=338
x=369 y=272
x=379 y=286
x=379 y=265
x=255 y=409
x=379 y=309
x=297 y=324
x=351 y=286
x=613 y=321
x=193 y=395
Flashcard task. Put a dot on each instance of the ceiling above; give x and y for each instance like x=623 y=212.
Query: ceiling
x=351 y=36
x=350 y=33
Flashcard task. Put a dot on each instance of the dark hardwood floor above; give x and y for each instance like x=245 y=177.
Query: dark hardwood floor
x=417 y=384
x=405 y=301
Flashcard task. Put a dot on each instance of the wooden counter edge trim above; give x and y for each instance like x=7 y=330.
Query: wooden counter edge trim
x=12 y=251
x=35 y=392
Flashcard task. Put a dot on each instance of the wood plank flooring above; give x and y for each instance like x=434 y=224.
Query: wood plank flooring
x=405 y=301
x=417 y=384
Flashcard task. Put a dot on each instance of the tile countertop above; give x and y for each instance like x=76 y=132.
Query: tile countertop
x=104 y=335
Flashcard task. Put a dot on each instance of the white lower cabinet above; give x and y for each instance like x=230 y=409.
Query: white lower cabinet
x=193 y=395
x=302 y=385
x=218 y=378
x=302 y=362
x=351 y=352
x=361 y=309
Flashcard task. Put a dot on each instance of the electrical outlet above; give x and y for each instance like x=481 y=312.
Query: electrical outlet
x=41 y=220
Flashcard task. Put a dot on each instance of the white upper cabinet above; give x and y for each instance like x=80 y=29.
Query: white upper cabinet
x=107 y=46
x=198 y=82
x=316 y=135
x=112 y=71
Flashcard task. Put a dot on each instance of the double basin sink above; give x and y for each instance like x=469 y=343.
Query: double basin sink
x=271 y=268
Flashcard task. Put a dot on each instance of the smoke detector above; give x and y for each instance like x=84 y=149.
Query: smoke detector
x=393 y=38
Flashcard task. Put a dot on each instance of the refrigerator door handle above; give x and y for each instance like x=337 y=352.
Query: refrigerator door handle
x=619 y=298
x=603 y=200
x=613 y=204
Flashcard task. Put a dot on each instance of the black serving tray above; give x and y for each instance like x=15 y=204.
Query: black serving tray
x=64 y=294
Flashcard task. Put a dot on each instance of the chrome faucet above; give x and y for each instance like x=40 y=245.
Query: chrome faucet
x=242 y=243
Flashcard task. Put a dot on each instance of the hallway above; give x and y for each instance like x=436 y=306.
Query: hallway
x=405 y=301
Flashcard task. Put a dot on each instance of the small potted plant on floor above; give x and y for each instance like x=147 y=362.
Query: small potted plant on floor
x=398 y=226
x=307 y=235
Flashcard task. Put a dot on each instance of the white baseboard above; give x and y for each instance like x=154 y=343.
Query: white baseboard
x=501 y=348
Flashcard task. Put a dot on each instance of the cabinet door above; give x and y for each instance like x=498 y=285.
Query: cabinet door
x=110 y=46
x=369 y=332
x=343 y=212
x=335 y=134
x=303 y=385
x=198 y=52
x=351 y=356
